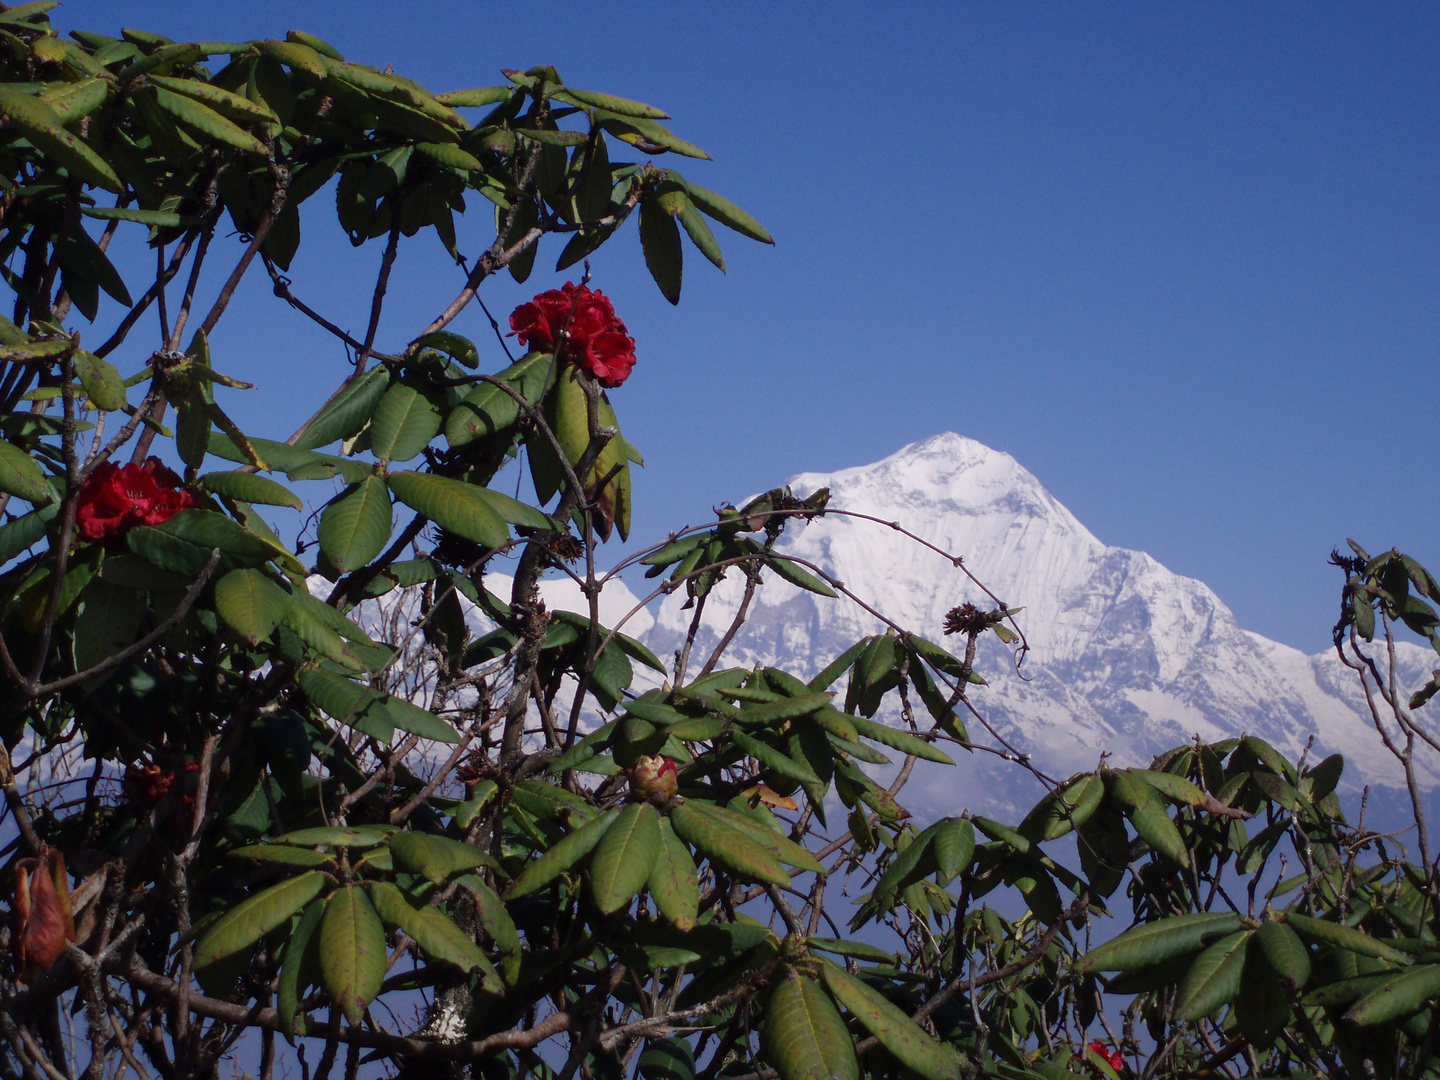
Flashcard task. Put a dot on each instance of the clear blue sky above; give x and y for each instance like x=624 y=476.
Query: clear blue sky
x=1180 y=260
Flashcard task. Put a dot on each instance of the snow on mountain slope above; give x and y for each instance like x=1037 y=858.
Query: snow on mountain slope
x=1126 y=656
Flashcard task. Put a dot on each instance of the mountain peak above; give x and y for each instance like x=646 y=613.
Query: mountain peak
x=1126 y=656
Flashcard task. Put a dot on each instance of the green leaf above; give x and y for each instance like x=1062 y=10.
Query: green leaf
x=667 y=1059
x=625 y=856
x=354 y=528
x=251 y=919
x=772 y=712
x=761 y=826
x=183 y=544
x=730 y=849
x=1343 y=937
x=1175 y=788
x=352 y=952
x=611 y=103
x=1407 y=993
x=435 y=858
x=724 y=211
x=349 y=703
x=954 y=846
x=836 y=667
x=407 y=716
x=206 y=121
x=233 y=106
x=250 y=488
x=701 y=236
x=797 y=575
x=348 y=412
x=108 y=620
x=156 y=219
x=571 y=848
x=436 y=934
x=803 y=1035
x=1213 y=979
x=25 y=531
x=251 y=604
x=101 y=380
x=457 y=507
x=895 y=1031
x=1156 y=942
x=674 y=881
x=44 y=128
x=776 y=761
x=660 y=242
x=460 y=349
x=1285 y=953
x=1146 y=812
x=21 y=475
x=405 y=420
x=296 y=966
x=476 y=98
x=346 y=836
x=899 y=740
x=282 y=854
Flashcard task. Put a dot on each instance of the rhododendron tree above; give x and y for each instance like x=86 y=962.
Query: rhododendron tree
x=322 y=794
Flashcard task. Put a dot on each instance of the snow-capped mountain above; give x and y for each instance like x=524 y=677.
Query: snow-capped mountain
x=1126 y=656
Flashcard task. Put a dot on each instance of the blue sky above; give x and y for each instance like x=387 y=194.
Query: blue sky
x=1180 y=260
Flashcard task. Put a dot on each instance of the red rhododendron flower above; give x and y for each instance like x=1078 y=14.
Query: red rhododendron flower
x=1113 y=1058
x=153 y=782
x=115 y=497
x=597 y=340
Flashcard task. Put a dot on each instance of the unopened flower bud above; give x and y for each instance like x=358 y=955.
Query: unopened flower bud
x=655 y=778
x=43 y=919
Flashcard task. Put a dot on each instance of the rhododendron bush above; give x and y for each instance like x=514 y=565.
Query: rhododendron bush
x=309 y=795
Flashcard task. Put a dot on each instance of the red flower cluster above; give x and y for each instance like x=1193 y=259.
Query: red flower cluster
x=115 y=497
x=1113 y=1058
x=152 y=783
x=597 y=340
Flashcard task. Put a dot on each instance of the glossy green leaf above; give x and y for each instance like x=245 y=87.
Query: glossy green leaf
x=207 y=121
x=725 y=212
x=101 y=380
x=660 y=243
x=625 y=856
x=1146 y=811
x=776 y=761
x=1285 y=953
x=347 y=836
x=283 y=854
x=297 y=968
x=434 y=858
x=457 y=507
x=1397 y=998
x=1175 y=788
x=803 y=1036
x=345 y=414
x=354 y=528
x=436 y=934
x=565 y=854
x=251 y=604
x=1343 y=937
x=21 y=475
x=730 y=849
x=233 y=106
x=797 y=575
x=674 y=881
x=954 y=846
x=895 y=1031
x=44 y=128
x=251 y=919
x=761 y=826
x=352 y=952
x=899 y=740
x=250 y=488
x=1213 y=979
x=1157 y=942
x=406 y=419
